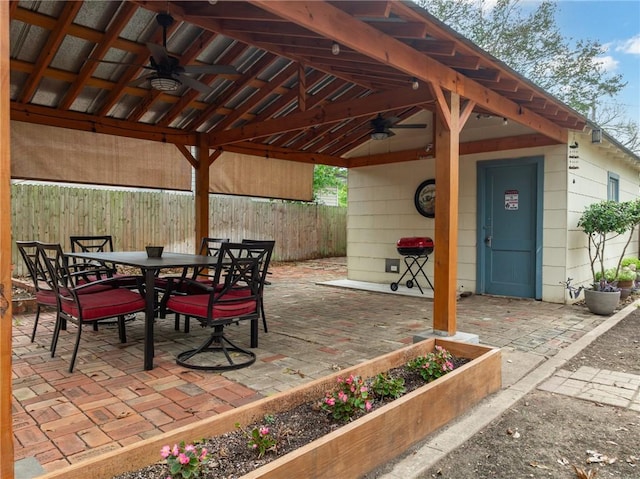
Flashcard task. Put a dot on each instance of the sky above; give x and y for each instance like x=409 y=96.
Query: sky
x=616 y=25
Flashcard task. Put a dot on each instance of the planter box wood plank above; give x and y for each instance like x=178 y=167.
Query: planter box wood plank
x=350 y=451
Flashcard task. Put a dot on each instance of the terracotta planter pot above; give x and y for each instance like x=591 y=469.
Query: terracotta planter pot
x=601 y=302
x=625 y=288
x=404 y=421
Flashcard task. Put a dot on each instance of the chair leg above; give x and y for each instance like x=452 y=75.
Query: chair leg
x=122 y=329
x=254 y=333
x=264 y=318
x=75 y=348
x=176 y=324
x=60 y=324
x=35 y=324
x=187 y=324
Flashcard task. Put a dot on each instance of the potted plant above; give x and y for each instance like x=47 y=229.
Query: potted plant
x=634 y=265
x=603 y=222
x=623 y=279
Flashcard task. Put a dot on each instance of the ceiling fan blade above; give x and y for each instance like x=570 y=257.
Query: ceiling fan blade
x=412 y=125
x=159 y=53
x=195 y=84
x=138 y=81
x=126 y=64
x=210 y=69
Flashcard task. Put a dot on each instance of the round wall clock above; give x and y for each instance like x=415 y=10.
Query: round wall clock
x=425 y=198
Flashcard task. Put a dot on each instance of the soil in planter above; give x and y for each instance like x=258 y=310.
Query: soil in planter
x=230 y=456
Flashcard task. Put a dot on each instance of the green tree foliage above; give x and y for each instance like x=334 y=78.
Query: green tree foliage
x=325 y=176
x=529 y=41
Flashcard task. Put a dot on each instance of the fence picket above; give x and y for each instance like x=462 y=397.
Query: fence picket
x=52 y=213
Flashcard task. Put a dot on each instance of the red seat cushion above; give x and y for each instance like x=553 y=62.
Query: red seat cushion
x=198 y=304
x=47 y=297
x=106 y=304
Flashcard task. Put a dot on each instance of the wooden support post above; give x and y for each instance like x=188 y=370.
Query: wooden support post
x=6 y=431
x=446 y=220
x=202 y=190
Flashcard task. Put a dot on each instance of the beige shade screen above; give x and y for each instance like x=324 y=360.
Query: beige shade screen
x=46 y=153
x=237 y=174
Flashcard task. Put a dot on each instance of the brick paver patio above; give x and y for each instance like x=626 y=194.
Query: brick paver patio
x=109 y=401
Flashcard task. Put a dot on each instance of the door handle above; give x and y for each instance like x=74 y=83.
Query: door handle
x=487 y=241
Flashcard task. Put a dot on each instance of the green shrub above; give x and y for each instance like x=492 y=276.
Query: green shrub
x=631 y=261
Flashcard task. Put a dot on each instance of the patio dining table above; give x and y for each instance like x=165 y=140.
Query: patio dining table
x=150 y=268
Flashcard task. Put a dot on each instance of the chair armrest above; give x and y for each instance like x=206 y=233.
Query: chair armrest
x=118 y=282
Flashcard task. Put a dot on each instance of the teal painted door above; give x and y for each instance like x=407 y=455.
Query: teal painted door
x=509 y=228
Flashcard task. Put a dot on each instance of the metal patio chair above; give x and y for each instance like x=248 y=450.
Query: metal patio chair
x=232 y=297
x=45 y=295
x=87 y=302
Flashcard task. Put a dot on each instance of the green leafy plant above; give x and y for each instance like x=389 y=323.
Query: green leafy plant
x=630 y=262
x=184 y=460
x=350 y=397
x=610 y=275
x=603 y=222
x=260 y=439
x=383 y=385
x=433 y=365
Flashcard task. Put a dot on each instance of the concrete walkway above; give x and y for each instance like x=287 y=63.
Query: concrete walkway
x=109 y=401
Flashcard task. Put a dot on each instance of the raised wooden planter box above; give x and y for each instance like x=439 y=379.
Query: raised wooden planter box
x=373 y=439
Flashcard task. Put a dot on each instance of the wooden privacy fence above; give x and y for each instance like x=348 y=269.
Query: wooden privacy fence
x=136 y=219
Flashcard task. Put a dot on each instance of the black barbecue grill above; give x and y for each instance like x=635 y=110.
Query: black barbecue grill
x=416 y=251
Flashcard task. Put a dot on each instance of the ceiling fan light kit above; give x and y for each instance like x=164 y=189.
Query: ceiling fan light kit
x=379 y=135
x=164 y=83
x=382 y=127
x=167 y=74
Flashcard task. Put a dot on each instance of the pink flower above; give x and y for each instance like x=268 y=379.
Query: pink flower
x=165 y=452
x=183 y=458
x=203 y=454
x=364 y=389
x=175 y=451
x=367 y=406
x=349 y=380
x=264 y=431
x=330 y=401
x=190 y=448
x=343 y=397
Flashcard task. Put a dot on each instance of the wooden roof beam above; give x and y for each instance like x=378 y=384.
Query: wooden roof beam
x=245 y=79
x=432 y=46
x=356 y=8
x=109 y=126
x=276 y=82
x=49 y=49
x=249 y=148
x=328 y=114
x=333 y=23
x=99 y=51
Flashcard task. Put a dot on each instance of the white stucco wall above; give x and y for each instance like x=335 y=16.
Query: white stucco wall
x=381 y=211
x=586 y=185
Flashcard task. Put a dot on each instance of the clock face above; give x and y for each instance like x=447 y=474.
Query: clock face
x=425 y=198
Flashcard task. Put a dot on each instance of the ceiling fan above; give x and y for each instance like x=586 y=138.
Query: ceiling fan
x=166 y=72
x=381 y=127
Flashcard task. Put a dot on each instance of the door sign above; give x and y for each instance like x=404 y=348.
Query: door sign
x=511 y=200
